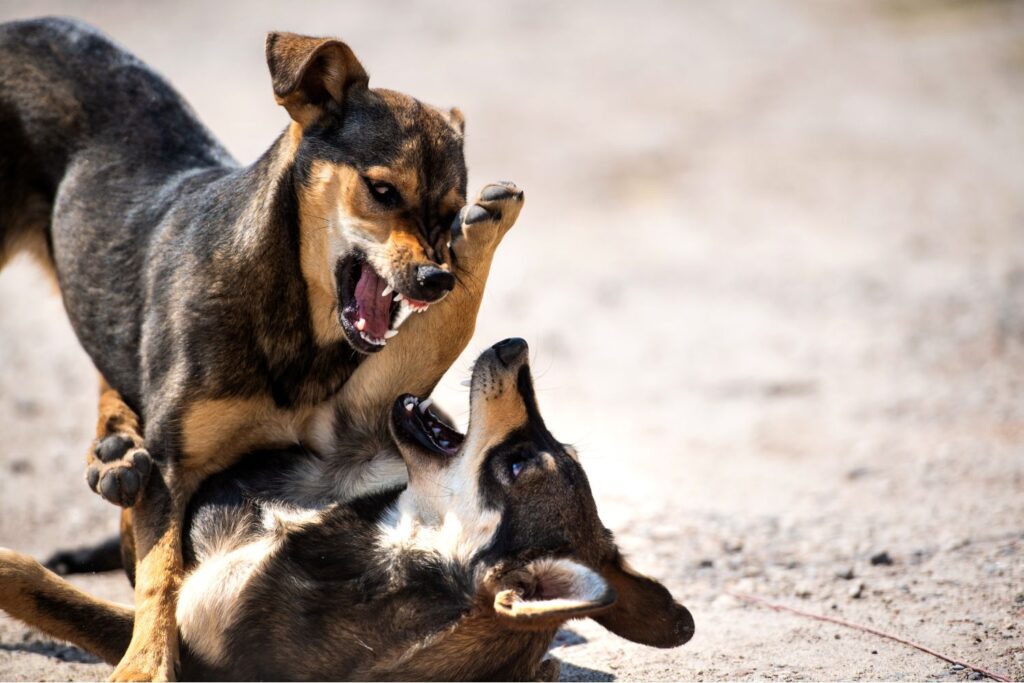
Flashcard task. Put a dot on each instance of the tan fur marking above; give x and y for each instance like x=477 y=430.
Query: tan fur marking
x=317 y=202
x=216 y=431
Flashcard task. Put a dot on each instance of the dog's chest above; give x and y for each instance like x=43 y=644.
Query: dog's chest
x=216 y=431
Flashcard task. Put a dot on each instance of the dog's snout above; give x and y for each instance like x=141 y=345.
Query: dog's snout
x=433 y=282
x=511 y=350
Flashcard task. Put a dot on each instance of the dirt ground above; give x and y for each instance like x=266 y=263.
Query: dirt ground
x=771 y=268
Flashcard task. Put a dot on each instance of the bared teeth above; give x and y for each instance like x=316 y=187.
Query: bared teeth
x=424 y=404
x=410 y=403
x=390 y=333
x=361 y=324
x=387 y=290
x=371 y=340
x=436 y=430
x=398 y=297
x=466 y=382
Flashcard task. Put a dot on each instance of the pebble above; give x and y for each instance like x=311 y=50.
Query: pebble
x=857 y=590
x=975 y=676
x=846 y=574
x=883 y=558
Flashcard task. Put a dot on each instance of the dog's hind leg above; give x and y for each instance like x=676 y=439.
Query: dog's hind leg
x=117 y=465
x=102 y=557
x=43 y=600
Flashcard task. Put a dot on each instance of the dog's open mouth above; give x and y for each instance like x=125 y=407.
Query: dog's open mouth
x=369 y=309
x=413 y=420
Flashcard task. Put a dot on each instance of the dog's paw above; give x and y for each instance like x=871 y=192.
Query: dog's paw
x=118 y=469
x=481 y=225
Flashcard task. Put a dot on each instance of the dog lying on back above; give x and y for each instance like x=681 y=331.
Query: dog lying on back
x=227 y=306
x=465 y=573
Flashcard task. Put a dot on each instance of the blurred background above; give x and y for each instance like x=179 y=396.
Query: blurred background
x=771 y=268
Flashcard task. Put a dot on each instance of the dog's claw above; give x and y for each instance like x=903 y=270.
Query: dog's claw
x=119 y=470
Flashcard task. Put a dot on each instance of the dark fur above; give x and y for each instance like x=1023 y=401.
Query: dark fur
x=139 y=206
x=186 y=277
x=330 y=600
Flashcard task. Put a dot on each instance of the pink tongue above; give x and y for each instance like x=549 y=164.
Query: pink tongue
x=370 y=305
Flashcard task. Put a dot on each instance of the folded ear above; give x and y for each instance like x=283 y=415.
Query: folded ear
x=645 y=611
x=308 y=73
x=457 y=120
x=550 y=591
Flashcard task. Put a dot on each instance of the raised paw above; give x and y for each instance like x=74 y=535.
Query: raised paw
x=118 y=469
x=481 y=225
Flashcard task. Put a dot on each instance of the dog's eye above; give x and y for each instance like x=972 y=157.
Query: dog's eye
x=516 y=465
x=384 y=193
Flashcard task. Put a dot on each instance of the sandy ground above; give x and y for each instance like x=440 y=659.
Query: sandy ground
x=772 y=272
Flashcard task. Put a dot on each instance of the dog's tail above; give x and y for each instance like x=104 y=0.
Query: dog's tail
x=38 y=117
x=40 y=598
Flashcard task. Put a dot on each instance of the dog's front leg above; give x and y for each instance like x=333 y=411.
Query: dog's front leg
x=428 y=343
x=157 y=521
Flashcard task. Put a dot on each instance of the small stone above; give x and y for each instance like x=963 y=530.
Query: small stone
x=732 y=545
x=846 y=574
x=881 y=559
x=957 y=667
x=857 y=473
x=857 y=590
x=706 y=563
x=975 y=676
x=1019 y=599
x=836 y=636
x=874 y=652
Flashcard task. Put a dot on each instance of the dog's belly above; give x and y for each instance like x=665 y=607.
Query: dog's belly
x=231 y=553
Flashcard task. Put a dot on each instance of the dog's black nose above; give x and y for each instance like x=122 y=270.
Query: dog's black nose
x=433 y=282
x=511 y=350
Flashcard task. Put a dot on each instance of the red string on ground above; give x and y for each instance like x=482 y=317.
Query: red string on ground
x=778 y=607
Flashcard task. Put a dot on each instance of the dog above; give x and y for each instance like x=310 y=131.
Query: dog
x=227 y=308
x=466 y=573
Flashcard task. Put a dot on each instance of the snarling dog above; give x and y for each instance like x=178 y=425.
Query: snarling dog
x=464 y=574
x=228 y=307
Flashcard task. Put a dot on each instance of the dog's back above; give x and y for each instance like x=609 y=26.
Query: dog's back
x=88 y=136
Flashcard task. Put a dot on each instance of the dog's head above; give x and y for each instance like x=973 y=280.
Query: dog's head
x=514 y=503
x=379 y=178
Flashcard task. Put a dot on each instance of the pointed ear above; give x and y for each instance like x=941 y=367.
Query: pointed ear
x=550 y=591
x=308 y=73
x=645 y=611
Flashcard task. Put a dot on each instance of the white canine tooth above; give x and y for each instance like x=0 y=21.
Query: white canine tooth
x=424 y=404
x=387 y=290
x=410 y=403
x=372 y=340
x=398 y=297
x=390 y=333
x=361 y=324
x=466 y=382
